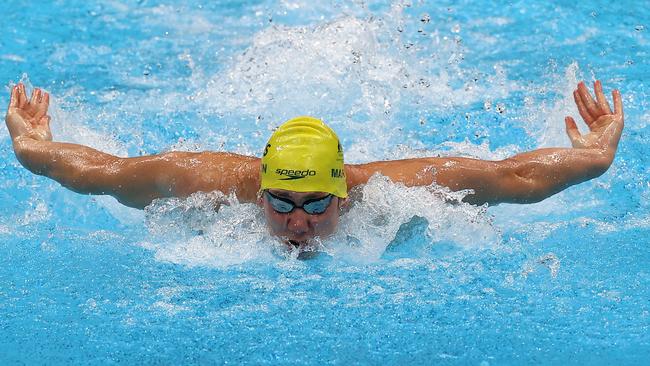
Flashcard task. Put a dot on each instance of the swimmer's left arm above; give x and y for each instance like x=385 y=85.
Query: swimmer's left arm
x=524 y=178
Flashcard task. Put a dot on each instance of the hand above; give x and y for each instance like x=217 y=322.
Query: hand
x=28 y=118
x=605 y=127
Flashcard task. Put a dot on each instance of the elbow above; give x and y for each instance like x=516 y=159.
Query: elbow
x=521 y=183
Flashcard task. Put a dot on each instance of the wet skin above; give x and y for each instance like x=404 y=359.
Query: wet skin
x=298 y=227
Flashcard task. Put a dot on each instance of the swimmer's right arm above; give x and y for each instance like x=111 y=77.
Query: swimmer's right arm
x=134 y=182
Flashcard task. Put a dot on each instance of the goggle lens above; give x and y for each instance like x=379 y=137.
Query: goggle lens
x=312 y=207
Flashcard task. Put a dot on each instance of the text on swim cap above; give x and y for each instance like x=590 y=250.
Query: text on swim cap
x=295 y=174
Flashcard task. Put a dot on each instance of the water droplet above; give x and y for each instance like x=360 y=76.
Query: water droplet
x=487 y=105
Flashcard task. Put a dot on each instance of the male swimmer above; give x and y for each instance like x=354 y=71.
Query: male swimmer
x=301 y=180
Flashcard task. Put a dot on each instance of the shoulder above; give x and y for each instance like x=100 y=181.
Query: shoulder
x=209 y=171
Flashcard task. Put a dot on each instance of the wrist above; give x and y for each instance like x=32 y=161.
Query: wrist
x=602 y=160
x=23 y=146
x=19 y=144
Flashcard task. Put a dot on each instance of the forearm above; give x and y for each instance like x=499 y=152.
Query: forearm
x=79 y=168
x=524 y=178
x=533 y=176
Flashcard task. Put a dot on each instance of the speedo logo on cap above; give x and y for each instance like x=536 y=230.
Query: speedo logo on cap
x=295 y=174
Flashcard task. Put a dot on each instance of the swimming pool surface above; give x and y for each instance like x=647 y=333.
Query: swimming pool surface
x=408 y=278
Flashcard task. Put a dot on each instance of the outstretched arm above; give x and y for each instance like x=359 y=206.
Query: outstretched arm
x=134 y=182
x=524 y=178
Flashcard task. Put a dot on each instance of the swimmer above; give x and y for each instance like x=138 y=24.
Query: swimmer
x=301 y=181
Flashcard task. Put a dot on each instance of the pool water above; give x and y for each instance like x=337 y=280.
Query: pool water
x=407 y=278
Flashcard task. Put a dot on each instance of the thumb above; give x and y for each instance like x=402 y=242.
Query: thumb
x=571 y=129
x=13 y=98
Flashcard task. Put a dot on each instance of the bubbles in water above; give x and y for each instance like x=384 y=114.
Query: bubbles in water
x=487 y=105
x=549 y=261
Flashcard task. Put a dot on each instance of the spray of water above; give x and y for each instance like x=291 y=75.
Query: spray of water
x=215 y=230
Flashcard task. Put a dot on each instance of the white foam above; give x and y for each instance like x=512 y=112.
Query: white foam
x=373 y=222
x=355 y=73
x=191 y=232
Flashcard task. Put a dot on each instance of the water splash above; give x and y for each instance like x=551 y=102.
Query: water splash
x=209 y=229
x=373 y=222
x=545 y=120
x=212 y=229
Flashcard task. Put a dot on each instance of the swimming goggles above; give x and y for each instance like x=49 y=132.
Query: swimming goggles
x=313 y=207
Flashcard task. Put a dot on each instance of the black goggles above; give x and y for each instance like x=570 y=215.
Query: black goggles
x=312 y=207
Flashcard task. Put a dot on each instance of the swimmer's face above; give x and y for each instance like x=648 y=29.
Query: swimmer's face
x=298 y=226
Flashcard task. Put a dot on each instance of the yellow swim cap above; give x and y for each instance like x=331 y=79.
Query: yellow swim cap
x=304 y=155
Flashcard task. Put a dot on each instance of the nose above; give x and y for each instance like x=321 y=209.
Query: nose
x=298 y=222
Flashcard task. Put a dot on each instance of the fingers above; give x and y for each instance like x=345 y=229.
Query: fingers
x=618 y=102
x=22 y=96
x=31 y=106
x=600 y=98
x=13 y=97
x=42 y=103
x=572 y=129
x=34 y=98
x=582 y=109
x=38 y=102
x=592 y=108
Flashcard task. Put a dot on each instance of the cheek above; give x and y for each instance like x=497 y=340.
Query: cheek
x=326 y=224
x=274 y=220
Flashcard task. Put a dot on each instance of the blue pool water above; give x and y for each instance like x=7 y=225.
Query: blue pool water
x=408 y=278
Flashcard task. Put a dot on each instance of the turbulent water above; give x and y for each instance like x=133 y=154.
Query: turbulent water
x=411 y=275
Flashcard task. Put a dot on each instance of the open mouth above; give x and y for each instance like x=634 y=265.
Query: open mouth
x=295 y=244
